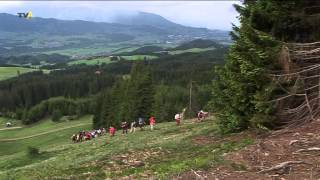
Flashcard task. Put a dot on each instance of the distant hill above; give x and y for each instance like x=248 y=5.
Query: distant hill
x=12 y=23
x=154 y=20
x=38 y=35
x=149 y=19
x=147 y=50
x=135 y=24
x=198 y=43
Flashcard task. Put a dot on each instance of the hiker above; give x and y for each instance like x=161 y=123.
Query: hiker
x=124 y=126
x=96 y=134
x=112 y=131
x=92 y=133
x=152 y=122
x=200 y=115
x=178 y=119
x=87 y=136
x=74 y=138
x=99 y=132
x=103 y=131
x=8 y=124
x=80 y=136
x=133 y=127
x=141 y=123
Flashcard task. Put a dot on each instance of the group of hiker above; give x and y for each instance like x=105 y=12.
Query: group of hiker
x=87 y=135
x=140 y=123
x=125 y=126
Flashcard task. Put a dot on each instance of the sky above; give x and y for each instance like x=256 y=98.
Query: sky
x=208 y=14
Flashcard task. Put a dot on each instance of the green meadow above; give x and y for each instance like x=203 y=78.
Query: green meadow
x=139 y=57
x=96 y=61
x=192 y=50
x=10 y=72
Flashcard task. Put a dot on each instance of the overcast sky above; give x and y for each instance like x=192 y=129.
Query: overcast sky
x=209 y=14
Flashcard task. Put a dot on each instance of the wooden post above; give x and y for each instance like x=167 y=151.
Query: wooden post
x=190 y=98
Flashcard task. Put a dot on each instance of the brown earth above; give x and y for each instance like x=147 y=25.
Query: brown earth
x=285 y=154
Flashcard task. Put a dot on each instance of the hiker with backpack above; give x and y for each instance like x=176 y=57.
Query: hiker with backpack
x=112 y=131
x=141 y=123
x=177 y=117
x=152 y=122
x=134 y=125
x=200 y=115
x=124 y=126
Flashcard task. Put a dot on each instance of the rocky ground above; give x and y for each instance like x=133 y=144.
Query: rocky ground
x=284 y=154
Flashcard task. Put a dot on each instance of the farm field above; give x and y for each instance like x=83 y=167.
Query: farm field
x=165 y=152
x=192 y=50
x=99 y=61
x=9 y=72
x=139 y=57
x=96 y=61
x=82 y=51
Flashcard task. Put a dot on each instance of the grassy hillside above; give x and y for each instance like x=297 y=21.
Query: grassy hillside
x=9 y=72
x=192 y=50
x=96 y=61
x=139 y=57
x=4 y=120
x=40 y=134
x=166 y=151
x=107 y=60
x=135 y=57
x=198 y=43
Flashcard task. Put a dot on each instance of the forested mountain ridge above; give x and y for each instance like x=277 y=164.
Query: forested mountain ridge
x=12 y=23
x=170 y=74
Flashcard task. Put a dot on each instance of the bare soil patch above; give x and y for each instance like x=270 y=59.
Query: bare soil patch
x=285 y=154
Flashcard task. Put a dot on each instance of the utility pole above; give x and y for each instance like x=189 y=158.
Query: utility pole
x=190 y=98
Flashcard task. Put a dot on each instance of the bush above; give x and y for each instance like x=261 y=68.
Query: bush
x=56 y=115
x=33 y=151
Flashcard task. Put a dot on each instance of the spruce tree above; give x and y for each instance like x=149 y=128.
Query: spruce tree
x=242 y=85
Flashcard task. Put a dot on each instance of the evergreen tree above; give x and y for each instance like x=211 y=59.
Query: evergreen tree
x=242 y=85
x=142 y=90
x=130 y=97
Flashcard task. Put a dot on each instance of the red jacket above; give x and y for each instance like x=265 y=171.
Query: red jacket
x=112 y=130
x=152 y=121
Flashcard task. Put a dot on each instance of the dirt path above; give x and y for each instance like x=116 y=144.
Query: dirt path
x=10 y=128
x=43 y=133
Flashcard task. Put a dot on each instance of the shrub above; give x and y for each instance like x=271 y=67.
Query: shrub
x=56 y=115
x=33 y=151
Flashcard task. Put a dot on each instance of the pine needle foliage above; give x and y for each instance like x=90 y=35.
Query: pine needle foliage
x=242 y=85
